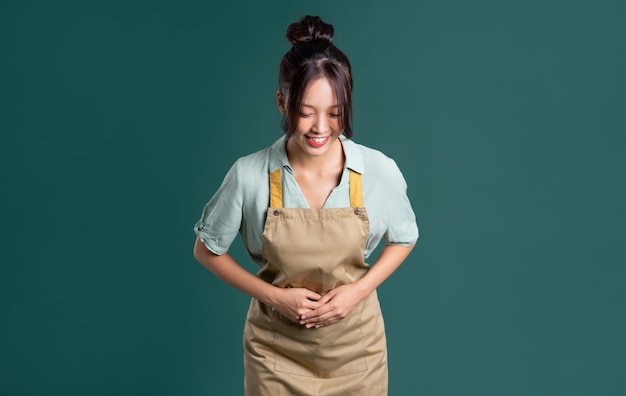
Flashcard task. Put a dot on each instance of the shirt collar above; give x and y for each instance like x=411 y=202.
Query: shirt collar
x=354 y=158
x=278 y=155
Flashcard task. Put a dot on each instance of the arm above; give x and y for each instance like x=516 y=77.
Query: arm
x=339 y=302
x=291 y=302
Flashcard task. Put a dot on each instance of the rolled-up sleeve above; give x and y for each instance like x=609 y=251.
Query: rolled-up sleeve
x=221 y=217
x=401 y=224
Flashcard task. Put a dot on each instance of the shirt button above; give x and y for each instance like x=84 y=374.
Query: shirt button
x=357 y=211
x=276 y=212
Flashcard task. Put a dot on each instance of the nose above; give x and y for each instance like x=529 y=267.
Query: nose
x=321 y=124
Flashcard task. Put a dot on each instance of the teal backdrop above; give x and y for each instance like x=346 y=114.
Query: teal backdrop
x=119 y=119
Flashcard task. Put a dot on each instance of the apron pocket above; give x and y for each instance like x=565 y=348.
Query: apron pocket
x=327 y=352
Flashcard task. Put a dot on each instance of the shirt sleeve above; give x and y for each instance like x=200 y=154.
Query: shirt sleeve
x=401 y=224
x=222 y=215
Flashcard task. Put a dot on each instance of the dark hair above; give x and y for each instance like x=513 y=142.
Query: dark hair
x=313 y=55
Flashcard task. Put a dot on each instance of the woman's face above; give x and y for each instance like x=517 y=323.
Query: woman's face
x=318 y=126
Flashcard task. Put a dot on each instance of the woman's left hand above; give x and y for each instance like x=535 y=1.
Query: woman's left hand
x=337 y=304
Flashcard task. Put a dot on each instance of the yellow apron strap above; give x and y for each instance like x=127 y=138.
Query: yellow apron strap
x=356 y=189
x=276 y=190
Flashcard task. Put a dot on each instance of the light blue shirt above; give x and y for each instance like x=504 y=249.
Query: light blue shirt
x=240 y=204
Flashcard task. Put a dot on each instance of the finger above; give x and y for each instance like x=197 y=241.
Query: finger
x=321 y=323
x=311 y=305
x=313 y=314
x=302 y=311
x=311 y=295
x=317 y=315
x=327 y=297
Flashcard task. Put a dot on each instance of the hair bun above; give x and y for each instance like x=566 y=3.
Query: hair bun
x=310 y=28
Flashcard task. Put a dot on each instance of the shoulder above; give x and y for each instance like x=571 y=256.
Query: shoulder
x=375 y=163
x=374 y=156
x=260 y=161
x=249 y=175
x=253 y=163
x=369 y=155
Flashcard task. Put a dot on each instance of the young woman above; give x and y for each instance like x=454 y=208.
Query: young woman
x=310 y=209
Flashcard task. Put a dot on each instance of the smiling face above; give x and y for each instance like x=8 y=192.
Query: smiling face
x=319 y=126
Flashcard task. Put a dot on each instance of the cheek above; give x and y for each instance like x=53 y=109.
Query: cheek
x=304 y=124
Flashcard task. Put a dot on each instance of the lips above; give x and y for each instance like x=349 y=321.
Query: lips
x=317 y=141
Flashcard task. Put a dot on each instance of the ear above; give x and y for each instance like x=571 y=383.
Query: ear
x=280 y=101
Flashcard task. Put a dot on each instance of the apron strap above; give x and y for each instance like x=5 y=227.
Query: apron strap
x=356 y=190
x=276 y=189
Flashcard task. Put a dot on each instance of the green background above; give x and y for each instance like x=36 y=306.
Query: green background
x=119 y=119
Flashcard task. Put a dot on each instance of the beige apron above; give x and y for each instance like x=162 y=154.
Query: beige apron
x=319 y=249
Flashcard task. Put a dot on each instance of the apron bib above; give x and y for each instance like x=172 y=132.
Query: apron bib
x=319 y=249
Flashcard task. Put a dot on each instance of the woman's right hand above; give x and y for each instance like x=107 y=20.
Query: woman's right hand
x=295 y=301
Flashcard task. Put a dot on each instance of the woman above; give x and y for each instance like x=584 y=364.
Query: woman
x=310 y=209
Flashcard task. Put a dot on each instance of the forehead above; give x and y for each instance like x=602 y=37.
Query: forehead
x=319 y=92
